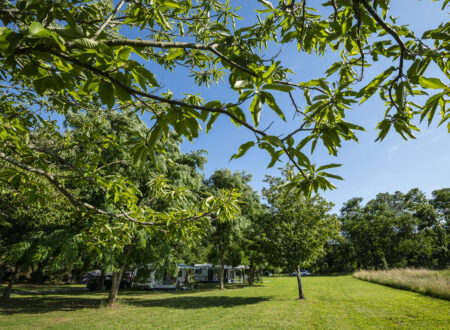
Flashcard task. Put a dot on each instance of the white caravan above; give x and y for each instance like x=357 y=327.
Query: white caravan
x=151 y=281
x=211 y=273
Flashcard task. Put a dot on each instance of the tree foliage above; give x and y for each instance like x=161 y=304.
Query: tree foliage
x=296 y=229
x=70 y=56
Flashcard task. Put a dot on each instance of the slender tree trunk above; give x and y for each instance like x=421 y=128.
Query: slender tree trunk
x=222 y=267
x=251 y=277
x=13 y=278
x=116 y=278
x=300 y=287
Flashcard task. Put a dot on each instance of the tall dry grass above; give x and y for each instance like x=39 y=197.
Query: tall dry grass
x=430 y=282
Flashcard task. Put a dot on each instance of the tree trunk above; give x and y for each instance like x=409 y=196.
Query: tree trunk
x=251 y=277
x=300 y=287
x=116 y=278
x=13 y=278
x=222 y=266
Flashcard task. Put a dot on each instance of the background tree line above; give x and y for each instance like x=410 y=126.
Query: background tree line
x=391 y=230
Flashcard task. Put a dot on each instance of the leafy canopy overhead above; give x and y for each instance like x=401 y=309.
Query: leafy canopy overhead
x=59 y=57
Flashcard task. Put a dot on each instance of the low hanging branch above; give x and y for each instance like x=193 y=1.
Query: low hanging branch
x=77 y=203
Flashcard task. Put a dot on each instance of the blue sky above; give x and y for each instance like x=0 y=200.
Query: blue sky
x=368 y=167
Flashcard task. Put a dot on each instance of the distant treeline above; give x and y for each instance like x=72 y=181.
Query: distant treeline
x=391 y=230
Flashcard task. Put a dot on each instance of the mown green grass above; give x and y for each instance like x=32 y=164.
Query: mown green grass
x=332 y=302
x=435 y=283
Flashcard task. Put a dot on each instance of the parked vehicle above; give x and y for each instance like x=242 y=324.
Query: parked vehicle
x=303 y=272
x=94 y=280
x=90 y=275
x=147 y=278
x=211 y=273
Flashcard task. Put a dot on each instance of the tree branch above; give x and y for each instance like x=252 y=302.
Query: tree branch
x=389 y=30
x=110 y=17
x=150 y=96
x=74 y=201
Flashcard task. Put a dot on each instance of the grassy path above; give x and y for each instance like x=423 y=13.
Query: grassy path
x=332 y=302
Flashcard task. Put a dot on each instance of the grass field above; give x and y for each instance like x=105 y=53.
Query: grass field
x=332 y=302
x=430 y=282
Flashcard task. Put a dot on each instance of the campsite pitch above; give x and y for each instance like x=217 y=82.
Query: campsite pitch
x=332 y=302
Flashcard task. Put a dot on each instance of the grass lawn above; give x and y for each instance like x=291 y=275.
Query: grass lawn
x=332 y=302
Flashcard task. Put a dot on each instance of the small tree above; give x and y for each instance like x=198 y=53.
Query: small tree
x=296 y=229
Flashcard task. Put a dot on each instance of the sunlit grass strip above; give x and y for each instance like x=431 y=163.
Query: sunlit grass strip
x=429 y=282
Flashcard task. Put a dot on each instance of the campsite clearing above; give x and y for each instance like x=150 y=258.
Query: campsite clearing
x=331 y=302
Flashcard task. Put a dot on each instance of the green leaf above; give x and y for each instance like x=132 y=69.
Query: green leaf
x=270 y=100
x=148 y=75
x=106 y=93
x=241 y=84
x=255 y=109
x=175 y=54
x=324 y=167
x=86 y=43
x=8 y=40
x=278 y=87
x=121 y=93
x=266 y=3
x=155 y=136
x=243 y=149
x=235 y=110
x=430 y=107
x=36 y=30
x=301 y=157
x=213 y=104
x=269 y=72
x=372 y=87
x=211 y=121
x=43 y=84
x=432 y=83
x=273 y=140
x=137 y=152
x=124 y=53
x=171 y=4
x=244 y=95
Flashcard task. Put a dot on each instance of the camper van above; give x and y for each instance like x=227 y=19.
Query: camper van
x=211 y=273
x=146 y=278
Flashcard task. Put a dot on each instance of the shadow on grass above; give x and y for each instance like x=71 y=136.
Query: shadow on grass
x=47 y=303
x=75 y=301
x=202 y=288
x=196 y=302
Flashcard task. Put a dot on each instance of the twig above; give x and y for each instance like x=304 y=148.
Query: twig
x=110 y=17
x=385 y=26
